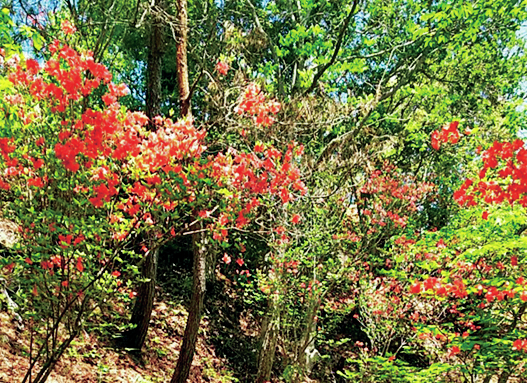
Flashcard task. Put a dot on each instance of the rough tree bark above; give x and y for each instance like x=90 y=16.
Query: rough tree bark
x=142 y=311
x=268 y=340
x=188 y=346
x=155 y=58
x=181 y=57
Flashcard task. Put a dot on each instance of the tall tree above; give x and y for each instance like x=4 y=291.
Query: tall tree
x=142 y=311
x=199 y=249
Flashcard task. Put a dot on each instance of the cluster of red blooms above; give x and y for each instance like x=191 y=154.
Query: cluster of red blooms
x=65 y=240
x=502 y=178
x=258 y=173
x=404 y=242
x=508 y=160
x=116 y=162
x=466 y=269
x=271 y=172
x=66 y=79
x=394 y=192
x=449 y=133
x=222 y=68
x=67 y=27
x=454 y=350
x=520 y=345
x=253 y=102
x=457 y=288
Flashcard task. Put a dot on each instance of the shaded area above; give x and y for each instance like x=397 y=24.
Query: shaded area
x=228 y=326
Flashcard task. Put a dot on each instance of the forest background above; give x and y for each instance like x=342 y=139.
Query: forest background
x=262 y=191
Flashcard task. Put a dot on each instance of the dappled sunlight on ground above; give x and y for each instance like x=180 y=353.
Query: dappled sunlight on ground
x=94 y=360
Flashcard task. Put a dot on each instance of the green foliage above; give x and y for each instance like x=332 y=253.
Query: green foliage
x=379 y=369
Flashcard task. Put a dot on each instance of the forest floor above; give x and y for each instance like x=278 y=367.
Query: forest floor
x=93 y=360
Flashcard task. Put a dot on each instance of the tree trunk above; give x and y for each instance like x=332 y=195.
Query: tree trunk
x=268 y=339
x=188 y=346
x=306 y=352
x=48 y=366
x=142 y=312
x=181 y=57
x=196 y=307
x=155 y=58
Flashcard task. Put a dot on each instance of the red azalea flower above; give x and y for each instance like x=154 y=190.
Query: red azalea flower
x=436 y=144
x=454 y=350
x=80 y=266
x=295 y=219
x=415 y=288
x=67 y=27
x=222 y=67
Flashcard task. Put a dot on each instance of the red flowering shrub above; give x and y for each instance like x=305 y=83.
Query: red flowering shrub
x=449 y=133
x=322 y=262
x=502 y=177
x=464 y=288
x=82 y=177
x=470 y=276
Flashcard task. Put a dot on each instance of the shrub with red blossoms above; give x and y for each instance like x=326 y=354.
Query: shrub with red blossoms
x=254 y=103
x=448 y=134
x=82 y=177
x=502 y=177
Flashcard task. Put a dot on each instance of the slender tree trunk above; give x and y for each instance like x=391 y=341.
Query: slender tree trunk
x=54 y=356
x=196 y=307
x=268 y=339
x=188 y=346
x=306 y=351
x=155 y=59
x=48 y=366
x=181 y=57
x=142 y=311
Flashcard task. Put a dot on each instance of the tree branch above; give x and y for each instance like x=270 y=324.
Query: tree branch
x=340 y=38
x=273 y=48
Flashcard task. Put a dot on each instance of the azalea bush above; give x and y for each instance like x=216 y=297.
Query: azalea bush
x=480 y=267
x=462 y=287
x=81 y=183
x=468 y=297
x=353 y=266
x=318 y=263
x=84 y=178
